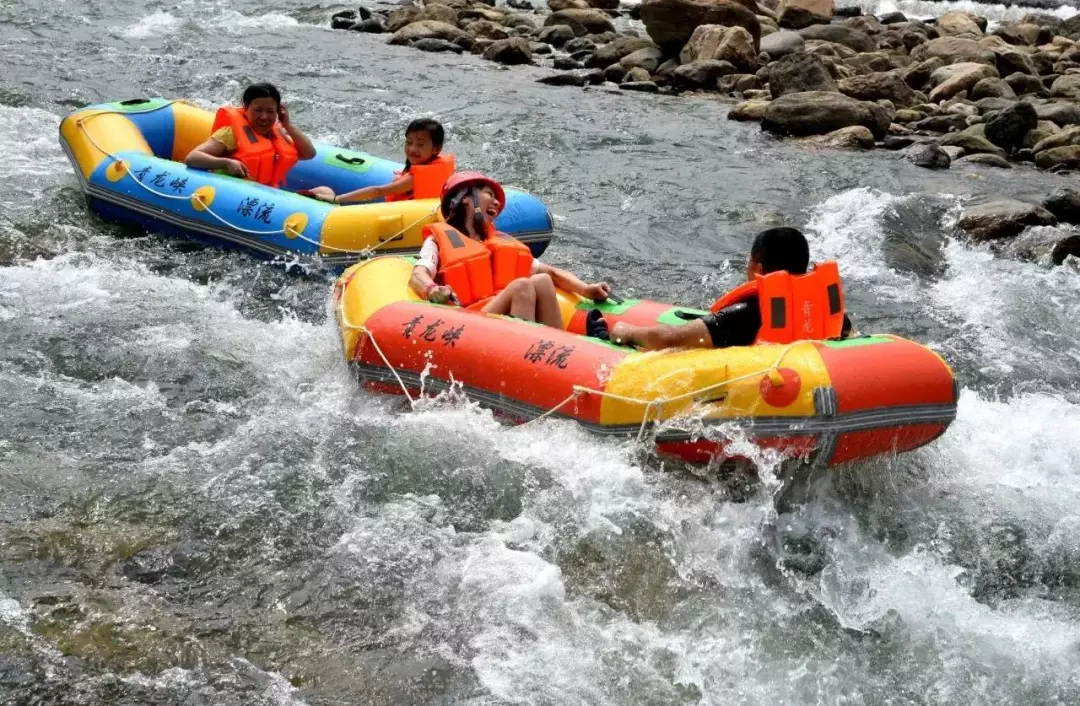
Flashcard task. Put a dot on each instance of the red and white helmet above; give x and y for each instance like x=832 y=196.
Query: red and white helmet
x=459 y=181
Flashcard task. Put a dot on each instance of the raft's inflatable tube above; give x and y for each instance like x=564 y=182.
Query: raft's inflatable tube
x=129 y=158
x=827 y=401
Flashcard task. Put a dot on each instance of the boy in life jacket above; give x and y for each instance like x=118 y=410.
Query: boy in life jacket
x=783 y=300
x=466 y=260
x=426 y=169
x=257 y=142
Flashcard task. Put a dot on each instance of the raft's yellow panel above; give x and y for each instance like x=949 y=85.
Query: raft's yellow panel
x=111 y=132
x=668 y=374
x=353 y=228
x=191 y=127
x=386 y=281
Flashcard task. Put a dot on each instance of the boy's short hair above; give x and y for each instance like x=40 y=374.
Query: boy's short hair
x=779 y=249
x=432 y=127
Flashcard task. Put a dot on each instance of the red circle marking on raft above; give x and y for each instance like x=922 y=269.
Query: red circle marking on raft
x=783 y=392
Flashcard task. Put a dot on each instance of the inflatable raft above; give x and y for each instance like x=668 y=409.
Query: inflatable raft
x=825 y=401
x=129 y=158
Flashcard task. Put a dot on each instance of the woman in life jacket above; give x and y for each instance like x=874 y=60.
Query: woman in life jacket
x=425 y=174
x=467 y=261
x=257 y=142
x=783 y=300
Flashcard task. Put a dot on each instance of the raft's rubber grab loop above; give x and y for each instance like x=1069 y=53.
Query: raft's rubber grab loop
x=581 y=390
x=349 y=160
x=363 y=252
x=138 y=101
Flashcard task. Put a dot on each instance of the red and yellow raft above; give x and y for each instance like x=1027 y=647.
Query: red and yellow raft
x=825 y=401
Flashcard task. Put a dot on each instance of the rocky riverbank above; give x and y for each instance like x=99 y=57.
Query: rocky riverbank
x=938 y=91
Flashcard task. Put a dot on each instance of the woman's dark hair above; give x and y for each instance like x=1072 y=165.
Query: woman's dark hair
x=779 y=249
x=456 y=218
x=261 y=90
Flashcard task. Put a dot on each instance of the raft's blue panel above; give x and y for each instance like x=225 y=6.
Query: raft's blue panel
x=258 y=211
x=154 y=118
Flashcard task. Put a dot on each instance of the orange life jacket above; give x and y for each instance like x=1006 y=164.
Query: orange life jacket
x=268 y=159
x=794 y=307
x=476 y=270
x=427 y=179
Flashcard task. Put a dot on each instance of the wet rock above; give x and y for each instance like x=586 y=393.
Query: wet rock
x=480 y=12
x=748 y=110
x=855 y=137
x=148 y=566
x=516 y=21
x=820 y=112
x=796 y=14
x=400 y=17
x=1069 y=247
x=940 y=123
x=993 y=105
x=431 y=29
x=481 y=45
x=953 y=50
x=918 y=75
x=372 y=25
x=986 y=160
x=733 y=44
x=555 y=35
x=1007 y=128
x=972 y=144
x=892 y=18
x=559 y=5
x=838 y=34
x=904 y=115
x=1062 y=138
x=566 y=63
x=641 y=86
x=594 y=77
x=877 y=62
x=866 y=23
x=898 y=142
x=615 y=73
x=511 y=51
x=579 y=44
x=1021 y=34
x=960 y=23
x=798 y=73
x=779 y=44
x=611 y=53
x=738 y=83
x=991 y=88
x=1023 y=84
x=636 y=75
x=876 y=86
x=439 y=13
x=486 y=29
x=1067 y=157
x=1067 y=86
x=569 y=78
x=701 y=75
x=961 y=77
x=849 y=11
x=345 y=19
x=1042 y=130
x=1002 y=218
x=539 y=48
x=1064 y=204
x=648 y=58
x=583 y=22
x=1059 y=113
x=671 y=23
x=520 y=5
x=1011 y=62
x=436 y=45
x=954 y=153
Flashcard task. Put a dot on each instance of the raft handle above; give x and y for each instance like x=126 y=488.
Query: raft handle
x=135 y=101
x=349 y=160
x=688 y=315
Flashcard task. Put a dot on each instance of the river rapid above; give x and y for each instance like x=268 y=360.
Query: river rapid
x=199 y=506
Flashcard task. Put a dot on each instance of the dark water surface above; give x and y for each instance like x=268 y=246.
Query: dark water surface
x=197 y=506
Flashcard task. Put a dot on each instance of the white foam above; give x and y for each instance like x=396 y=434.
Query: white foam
x=925 y=9
x=28 y=142
x=158 y=24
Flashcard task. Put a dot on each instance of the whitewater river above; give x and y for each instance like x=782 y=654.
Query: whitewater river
x=198 y=506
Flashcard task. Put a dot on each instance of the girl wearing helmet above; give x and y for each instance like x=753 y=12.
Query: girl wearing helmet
x=470 y=203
